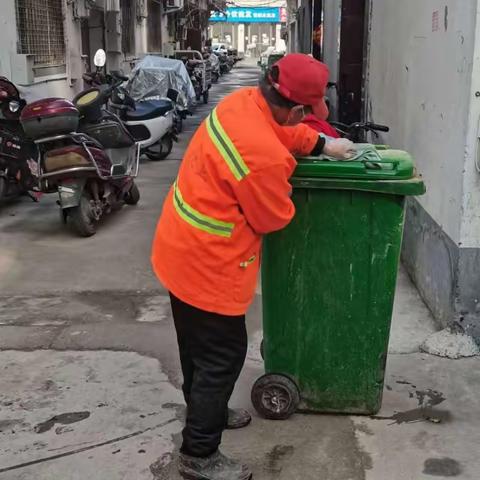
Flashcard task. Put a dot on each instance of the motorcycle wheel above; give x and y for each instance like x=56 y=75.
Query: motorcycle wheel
x=132 y=197
x=82 y=218
x=205 y=97
x=165 y=147
x=179 y=124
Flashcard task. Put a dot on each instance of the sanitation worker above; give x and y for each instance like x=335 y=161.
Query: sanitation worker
x=231 y=189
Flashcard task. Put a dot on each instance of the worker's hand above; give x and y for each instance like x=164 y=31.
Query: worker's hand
x=340 y=148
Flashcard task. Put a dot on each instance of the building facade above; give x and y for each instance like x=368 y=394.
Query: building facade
x=48 y=44
x=250 y=29
x=415 y=67
x=423 y=80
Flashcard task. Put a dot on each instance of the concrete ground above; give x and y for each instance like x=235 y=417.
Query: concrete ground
x=90 y=382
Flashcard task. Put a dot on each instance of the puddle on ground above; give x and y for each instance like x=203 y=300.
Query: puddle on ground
x=442 y=467
x=421 y=414
x=427 y=399
x=275 y=456
x=63 y=418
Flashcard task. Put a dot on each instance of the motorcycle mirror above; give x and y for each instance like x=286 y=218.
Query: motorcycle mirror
x=173 y=95
x=100 y=58
x=130 y=102
x=14 y=106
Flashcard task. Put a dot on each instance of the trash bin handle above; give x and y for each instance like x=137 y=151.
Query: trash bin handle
x=376 y=164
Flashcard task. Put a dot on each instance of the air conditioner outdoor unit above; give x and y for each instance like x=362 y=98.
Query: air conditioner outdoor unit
x=22 y=68
x=174 y=5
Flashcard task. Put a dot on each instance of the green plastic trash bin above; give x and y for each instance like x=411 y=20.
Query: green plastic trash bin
x=329 y=284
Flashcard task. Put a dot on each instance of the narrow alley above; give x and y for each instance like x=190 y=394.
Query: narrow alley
x=90 y=380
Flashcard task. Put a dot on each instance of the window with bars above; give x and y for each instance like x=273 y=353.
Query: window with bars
x=40 y=31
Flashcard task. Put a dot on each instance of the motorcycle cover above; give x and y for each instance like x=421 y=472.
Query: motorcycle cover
x=153 y=76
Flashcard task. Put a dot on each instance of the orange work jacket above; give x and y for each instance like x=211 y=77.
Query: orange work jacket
x=232 y=188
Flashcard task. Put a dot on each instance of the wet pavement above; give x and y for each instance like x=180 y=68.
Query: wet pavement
x=90 y=379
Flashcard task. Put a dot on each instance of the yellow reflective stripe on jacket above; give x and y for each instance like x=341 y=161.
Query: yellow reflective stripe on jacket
x=197 y=219
x=226 y=147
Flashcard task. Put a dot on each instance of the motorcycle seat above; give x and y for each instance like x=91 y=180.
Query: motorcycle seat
x=149 y=109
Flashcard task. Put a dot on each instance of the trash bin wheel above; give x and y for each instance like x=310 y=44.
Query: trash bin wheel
x=262 y=349
x=275 y=397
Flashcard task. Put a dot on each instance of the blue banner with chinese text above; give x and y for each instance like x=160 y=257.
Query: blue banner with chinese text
x=248 y=15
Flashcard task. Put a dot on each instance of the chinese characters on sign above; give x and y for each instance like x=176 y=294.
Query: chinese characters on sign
x=249 y=15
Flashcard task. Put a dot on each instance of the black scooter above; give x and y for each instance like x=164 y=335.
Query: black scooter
x=224 y=63
x=18 y=154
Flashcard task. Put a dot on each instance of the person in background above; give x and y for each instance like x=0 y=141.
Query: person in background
x=320 y=126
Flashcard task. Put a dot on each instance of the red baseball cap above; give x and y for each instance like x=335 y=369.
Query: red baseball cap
x=303 y=80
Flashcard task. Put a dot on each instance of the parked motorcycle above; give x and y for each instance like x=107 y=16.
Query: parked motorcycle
x=18 y=154
x=150 y=122
x=233 y=55
x=200 y=71
x=86 y=154
x=215 y=62
x=225 y=66
x=196 y=78
x=159 y=78
x=231 y=59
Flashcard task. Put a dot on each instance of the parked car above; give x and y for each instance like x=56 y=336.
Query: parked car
x=220 y=47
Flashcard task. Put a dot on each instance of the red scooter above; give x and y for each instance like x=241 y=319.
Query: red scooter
x=85 y=154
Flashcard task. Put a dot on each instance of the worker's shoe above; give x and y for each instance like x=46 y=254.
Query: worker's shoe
x=238 y=418
x=214 y=467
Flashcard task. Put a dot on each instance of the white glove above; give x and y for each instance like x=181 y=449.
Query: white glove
x=339 y=148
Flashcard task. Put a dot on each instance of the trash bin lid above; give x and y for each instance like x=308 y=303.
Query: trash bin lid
x=370 y=163
x=374 y=169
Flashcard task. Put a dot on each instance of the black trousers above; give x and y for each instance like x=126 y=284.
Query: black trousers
x=212 y=353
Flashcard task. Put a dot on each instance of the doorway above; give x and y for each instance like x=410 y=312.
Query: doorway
x=154 y=26
x=317 y=40
x=351 y=61
x=343 y=30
